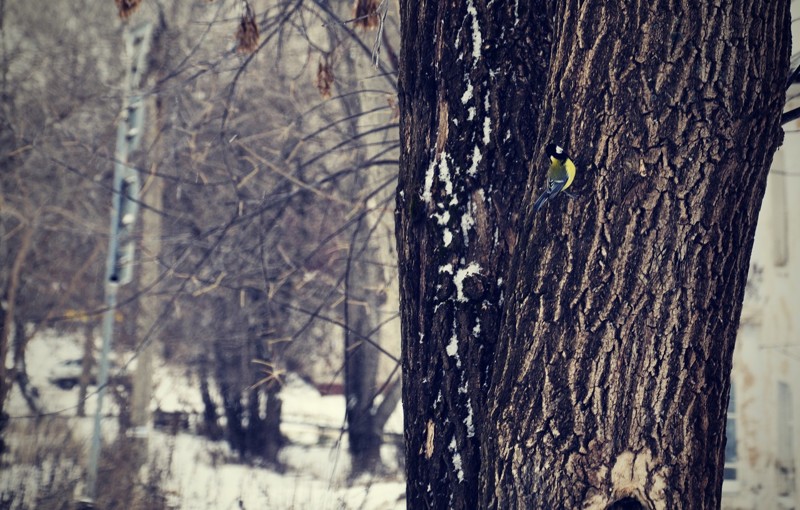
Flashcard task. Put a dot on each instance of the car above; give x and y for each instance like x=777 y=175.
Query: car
x=67 y=374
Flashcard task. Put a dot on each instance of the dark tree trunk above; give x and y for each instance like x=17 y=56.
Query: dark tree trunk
x=87 y=363
x=210 y=427
x=271 y=426
x=250 y=400
x=361 y=358
x=365 y=295
x=29 y=392
x=578 y=357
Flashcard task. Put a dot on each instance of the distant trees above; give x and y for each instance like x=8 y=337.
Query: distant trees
x=276 y=158
x=54 y=143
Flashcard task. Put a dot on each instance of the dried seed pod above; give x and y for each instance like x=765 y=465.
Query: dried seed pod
x=127 y=7
x=324 y=79
x=365 y=14
x=247 y=33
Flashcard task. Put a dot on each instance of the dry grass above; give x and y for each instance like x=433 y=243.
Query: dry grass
x=45 y=469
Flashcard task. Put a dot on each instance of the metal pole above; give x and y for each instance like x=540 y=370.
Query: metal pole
x=108 y=332
x=111 y=286
x=118 y=271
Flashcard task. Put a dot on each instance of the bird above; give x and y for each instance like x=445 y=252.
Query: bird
x=559 y=176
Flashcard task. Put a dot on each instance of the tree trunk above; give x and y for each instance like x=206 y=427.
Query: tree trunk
x=578 y=357
x=250 y=397
x=29 y=392
x=9 y=305
x=366 y=282
x=265 y=437
x=87 y=364
x=210 y=427
x=361 y=358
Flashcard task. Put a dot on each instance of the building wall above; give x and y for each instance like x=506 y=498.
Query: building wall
x=764 y=423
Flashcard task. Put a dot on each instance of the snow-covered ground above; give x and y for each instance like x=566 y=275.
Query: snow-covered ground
x=202 y=474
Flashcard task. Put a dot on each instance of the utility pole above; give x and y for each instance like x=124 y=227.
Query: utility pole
x=149 y=272
x=121 y=243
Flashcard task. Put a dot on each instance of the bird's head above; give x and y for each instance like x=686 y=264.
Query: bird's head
x=556 y=152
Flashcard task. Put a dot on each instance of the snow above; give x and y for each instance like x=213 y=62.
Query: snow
x=444 y=174
x=472 y=269
x=465 y=98
x=457 y=460
x=442 y=218
x=426 y=191
x=199 y=473
x=476 y=330
x=315 y=480
x=476 y=32
x=447 y=237
x=468 y=221
x=476 y=159
x=452 y=347
x=468 y=421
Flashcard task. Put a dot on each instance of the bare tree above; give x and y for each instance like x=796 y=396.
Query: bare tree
x=49 y=188
x=273 y=197
x=579 y=357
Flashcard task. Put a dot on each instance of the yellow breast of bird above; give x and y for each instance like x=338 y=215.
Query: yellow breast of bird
x=570 y=172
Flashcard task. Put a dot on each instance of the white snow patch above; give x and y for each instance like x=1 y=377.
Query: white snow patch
x=477 y=157
x=476 y=330
x=199 y=474
x=472 y=269
x=456 y=460
x=477 y=39
x=447 y=237
x=447 y=268
x=442 y=218
x=467 y=93
x=487 y=129
x=468 y=421
x=467 y=222
x=472 y=111
x=444 y=174
x=452 y=347
x=426 y=191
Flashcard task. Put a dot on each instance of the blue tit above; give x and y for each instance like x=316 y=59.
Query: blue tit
x=559 y=176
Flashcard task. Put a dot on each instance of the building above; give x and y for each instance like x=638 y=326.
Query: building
x=763 y=449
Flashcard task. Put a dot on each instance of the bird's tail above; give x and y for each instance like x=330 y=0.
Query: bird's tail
x=541 y=200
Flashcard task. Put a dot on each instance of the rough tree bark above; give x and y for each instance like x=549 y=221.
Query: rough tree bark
x=580 y=357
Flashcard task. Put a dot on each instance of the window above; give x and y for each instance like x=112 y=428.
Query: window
x=731 y=452
x=785 y=457
x=780 y=215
